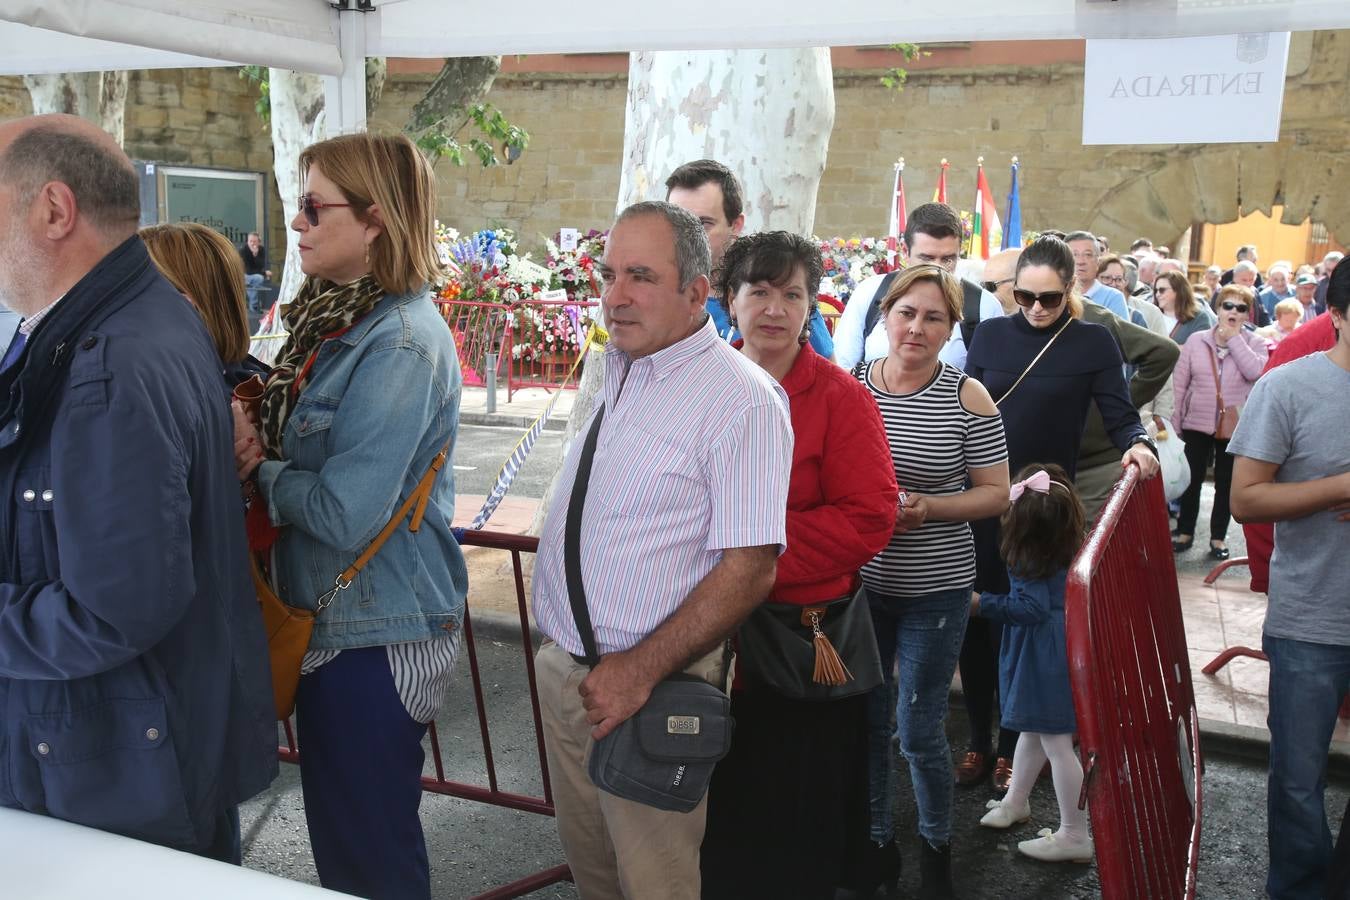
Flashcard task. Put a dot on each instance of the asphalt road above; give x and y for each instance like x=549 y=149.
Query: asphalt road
x=480 y=451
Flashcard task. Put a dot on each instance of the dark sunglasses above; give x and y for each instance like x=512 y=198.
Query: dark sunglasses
x=1028 y=299
x=310 y=207
x=1239 y=307
x=993 y=286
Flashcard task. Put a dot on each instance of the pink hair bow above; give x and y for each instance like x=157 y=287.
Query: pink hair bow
x=1038 y=481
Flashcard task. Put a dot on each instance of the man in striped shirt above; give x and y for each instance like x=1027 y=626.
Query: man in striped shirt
x=684 y=519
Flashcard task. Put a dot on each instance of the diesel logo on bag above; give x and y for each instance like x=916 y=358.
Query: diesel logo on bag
x=682 y=725
x=679 y=776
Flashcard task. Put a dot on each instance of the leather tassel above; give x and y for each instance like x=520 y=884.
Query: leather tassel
x=830 y=669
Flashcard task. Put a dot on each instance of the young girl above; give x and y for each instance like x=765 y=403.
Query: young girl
x=1041 y=532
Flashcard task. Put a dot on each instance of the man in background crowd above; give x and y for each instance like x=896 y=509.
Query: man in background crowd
x=256 y=272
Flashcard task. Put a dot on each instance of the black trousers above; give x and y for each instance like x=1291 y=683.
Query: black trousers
x=979 y=651
x=1200 y=449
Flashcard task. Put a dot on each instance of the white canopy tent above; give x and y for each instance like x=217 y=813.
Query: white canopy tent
x=333 y=38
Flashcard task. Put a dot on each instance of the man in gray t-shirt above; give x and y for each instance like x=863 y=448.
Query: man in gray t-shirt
x=1293 y=468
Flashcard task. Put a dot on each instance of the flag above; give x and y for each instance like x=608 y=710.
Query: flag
x=1012 y=234
x=986 y=232
x=898 y=201
x=940 y=194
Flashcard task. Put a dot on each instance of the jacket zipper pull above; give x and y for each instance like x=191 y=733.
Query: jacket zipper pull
x=56 y=354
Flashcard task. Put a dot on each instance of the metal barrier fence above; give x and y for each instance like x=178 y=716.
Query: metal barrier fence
x=1138 y=730
x=537 y=341
x=491 y=794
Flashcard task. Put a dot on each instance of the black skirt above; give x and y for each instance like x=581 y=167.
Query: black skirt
x=788 y=804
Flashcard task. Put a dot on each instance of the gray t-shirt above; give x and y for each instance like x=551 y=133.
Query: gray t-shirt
x=1296 y=416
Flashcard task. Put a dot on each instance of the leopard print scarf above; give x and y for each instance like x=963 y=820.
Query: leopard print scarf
x=320 y=310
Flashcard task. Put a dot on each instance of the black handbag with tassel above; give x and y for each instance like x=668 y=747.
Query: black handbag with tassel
x=825 y=651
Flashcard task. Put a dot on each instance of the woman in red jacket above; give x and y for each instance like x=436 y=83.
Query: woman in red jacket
x=796 y=776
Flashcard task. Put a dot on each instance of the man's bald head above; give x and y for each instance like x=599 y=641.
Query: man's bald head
x=999 y=270
x=37 y=151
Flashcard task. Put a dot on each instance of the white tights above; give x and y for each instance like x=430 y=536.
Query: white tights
x=1065 y=770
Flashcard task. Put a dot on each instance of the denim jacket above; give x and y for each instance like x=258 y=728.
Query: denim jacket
x=381 y=401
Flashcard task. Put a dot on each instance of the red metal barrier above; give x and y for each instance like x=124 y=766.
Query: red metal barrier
x=479 y=329
x=491 y=794
x=1131 y=678
x=543 y=341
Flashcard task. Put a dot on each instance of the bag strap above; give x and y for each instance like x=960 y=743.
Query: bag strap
x=1031 y=365
x=874 y=307
x=576 y=590
x=415 y=506
x=972 y=295
x=1218 y=390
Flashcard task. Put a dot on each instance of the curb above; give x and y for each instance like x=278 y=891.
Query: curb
x=509 y=420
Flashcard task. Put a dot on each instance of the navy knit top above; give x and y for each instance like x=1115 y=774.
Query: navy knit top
x=1044 y=417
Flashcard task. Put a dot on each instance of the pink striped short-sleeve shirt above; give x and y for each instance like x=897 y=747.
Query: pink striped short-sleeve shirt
x=693 y=457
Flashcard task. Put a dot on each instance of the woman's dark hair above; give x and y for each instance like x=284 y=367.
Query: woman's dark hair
x=1041 y=533
x=1185 y=307
x=772 y=256
x=1048 y=250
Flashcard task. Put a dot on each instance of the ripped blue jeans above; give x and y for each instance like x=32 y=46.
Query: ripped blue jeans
x=925 y=634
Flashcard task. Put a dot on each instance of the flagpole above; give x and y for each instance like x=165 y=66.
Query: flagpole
x=897 y=213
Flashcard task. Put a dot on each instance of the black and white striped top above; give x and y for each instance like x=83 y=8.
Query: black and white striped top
x=934 y=442
x=421 y=671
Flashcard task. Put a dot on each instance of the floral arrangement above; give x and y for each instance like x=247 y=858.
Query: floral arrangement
x=574 y=270
x=849 y=261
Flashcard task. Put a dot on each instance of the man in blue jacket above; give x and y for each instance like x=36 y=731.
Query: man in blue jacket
x=134 y=687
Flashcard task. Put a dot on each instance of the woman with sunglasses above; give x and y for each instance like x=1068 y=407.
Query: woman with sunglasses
x=1238 y=356
x=1044 y=368
x=363 y=397
x=1183 y=313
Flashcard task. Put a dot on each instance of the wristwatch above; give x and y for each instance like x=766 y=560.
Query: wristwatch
x=1148 y=442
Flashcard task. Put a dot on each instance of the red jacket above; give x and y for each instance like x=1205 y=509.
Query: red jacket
x=842 y=495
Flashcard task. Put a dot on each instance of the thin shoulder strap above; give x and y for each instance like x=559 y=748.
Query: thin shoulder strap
x=576 y=589
x=1031 y=365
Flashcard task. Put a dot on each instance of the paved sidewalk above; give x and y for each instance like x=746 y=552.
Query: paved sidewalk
x=525 y=406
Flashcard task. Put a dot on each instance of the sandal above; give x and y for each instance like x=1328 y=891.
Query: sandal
x=1216 y=552
x=1180 y=546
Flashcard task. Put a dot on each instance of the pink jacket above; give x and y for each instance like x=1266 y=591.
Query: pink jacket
x=1193 y=379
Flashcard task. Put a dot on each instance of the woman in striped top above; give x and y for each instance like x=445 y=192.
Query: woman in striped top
x=945 y=434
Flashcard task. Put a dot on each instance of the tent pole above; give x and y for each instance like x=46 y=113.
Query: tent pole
x=345 y=94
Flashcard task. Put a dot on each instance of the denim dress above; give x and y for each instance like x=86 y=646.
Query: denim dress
x=1033 y=661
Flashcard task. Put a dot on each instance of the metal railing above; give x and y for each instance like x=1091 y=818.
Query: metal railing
x=491 y=793
x=1131 y=677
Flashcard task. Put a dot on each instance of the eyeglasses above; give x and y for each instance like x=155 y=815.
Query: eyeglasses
x=1234 y=307
x=993 y=286
x=1028 y=299
x=310 y=207
x=1111 y=279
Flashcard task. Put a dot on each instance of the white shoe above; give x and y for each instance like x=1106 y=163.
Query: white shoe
x=1050 y=848
x=1003 y=814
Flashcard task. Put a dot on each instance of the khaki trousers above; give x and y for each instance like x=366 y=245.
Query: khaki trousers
x=617 y=849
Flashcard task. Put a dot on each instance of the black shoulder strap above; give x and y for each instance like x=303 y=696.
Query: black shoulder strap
x=576 y=591
x=970 y=310
x=874 y=305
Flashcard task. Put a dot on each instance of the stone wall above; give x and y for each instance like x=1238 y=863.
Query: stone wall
x=188 y=117
x=569 y=176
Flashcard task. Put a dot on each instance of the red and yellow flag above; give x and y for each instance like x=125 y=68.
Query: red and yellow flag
x=986 y=230
x=940 y=194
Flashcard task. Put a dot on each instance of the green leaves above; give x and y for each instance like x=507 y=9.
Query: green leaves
x=439 y=138
x=896 y=77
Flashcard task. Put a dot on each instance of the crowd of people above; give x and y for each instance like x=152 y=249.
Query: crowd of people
x=835 y=513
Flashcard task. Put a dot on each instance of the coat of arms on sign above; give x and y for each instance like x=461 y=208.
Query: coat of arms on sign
x=1252 y=48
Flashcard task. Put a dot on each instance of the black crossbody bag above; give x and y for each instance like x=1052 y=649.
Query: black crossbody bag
x=663 y=756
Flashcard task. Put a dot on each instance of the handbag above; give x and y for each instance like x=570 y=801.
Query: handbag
x=820 y=652
x=288 y=628
x=1227 y=419
x=662 y=756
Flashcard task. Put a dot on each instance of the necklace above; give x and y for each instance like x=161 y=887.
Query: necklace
x=885 y=386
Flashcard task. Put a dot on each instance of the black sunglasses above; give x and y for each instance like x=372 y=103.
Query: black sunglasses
x=1028 y=299
x=992 y=286
x=1239 y=307
x=310 y=207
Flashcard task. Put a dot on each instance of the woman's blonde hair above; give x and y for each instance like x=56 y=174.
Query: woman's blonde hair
x=1241 y=292
x=945 y=281
x=388 y=172
x=206 y=268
